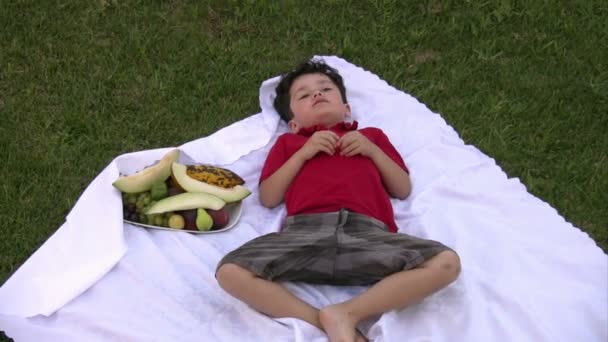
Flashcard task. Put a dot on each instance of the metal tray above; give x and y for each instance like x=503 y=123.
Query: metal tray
x=234 y=211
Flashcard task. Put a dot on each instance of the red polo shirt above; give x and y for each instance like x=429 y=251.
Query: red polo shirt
x=329 y=183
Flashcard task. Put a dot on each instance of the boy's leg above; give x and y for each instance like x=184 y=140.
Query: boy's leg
x=393 y=292
x=284 y=256
x=265 y=296
x=269 y=297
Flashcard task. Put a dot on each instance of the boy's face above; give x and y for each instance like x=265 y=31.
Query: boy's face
x=315 y=100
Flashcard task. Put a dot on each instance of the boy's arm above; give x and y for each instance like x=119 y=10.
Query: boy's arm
x=396 y=179
x=273 y=188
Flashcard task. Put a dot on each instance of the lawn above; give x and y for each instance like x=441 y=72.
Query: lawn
x=82 y=82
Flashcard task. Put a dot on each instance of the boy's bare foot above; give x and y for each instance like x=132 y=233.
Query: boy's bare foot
x=339 y=325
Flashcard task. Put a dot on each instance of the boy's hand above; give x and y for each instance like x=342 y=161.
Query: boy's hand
x=321 y=141
x=354 y=143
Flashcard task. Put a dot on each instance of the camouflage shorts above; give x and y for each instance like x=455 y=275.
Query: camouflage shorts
x=339 y=248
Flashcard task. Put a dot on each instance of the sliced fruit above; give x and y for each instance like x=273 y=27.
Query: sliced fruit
x=143 y=180
x=189 y=184
x=204 y=221
x=214 y=175
x=185 y=201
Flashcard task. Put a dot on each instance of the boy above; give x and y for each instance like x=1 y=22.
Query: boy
x=336 y=182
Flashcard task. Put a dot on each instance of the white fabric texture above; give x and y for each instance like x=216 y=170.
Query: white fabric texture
x=527 y=274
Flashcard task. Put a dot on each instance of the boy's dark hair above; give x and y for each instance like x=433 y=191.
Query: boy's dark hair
x=281 y=102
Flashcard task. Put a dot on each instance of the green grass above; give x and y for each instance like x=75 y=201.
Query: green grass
x=82 y=82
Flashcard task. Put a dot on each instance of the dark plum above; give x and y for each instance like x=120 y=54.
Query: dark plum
x=189 y=218
x=220 y=217
x=173 y=190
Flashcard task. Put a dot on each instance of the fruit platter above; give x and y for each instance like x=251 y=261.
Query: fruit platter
x=195 y=198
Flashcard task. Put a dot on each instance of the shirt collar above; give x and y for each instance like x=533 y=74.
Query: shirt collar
x=341 y=126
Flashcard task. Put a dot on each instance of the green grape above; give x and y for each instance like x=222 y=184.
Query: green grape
x=131 y=198
x=141 y=196
x=158 y=220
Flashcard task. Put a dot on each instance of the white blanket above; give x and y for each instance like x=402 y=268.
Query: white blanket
x=528 y=275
